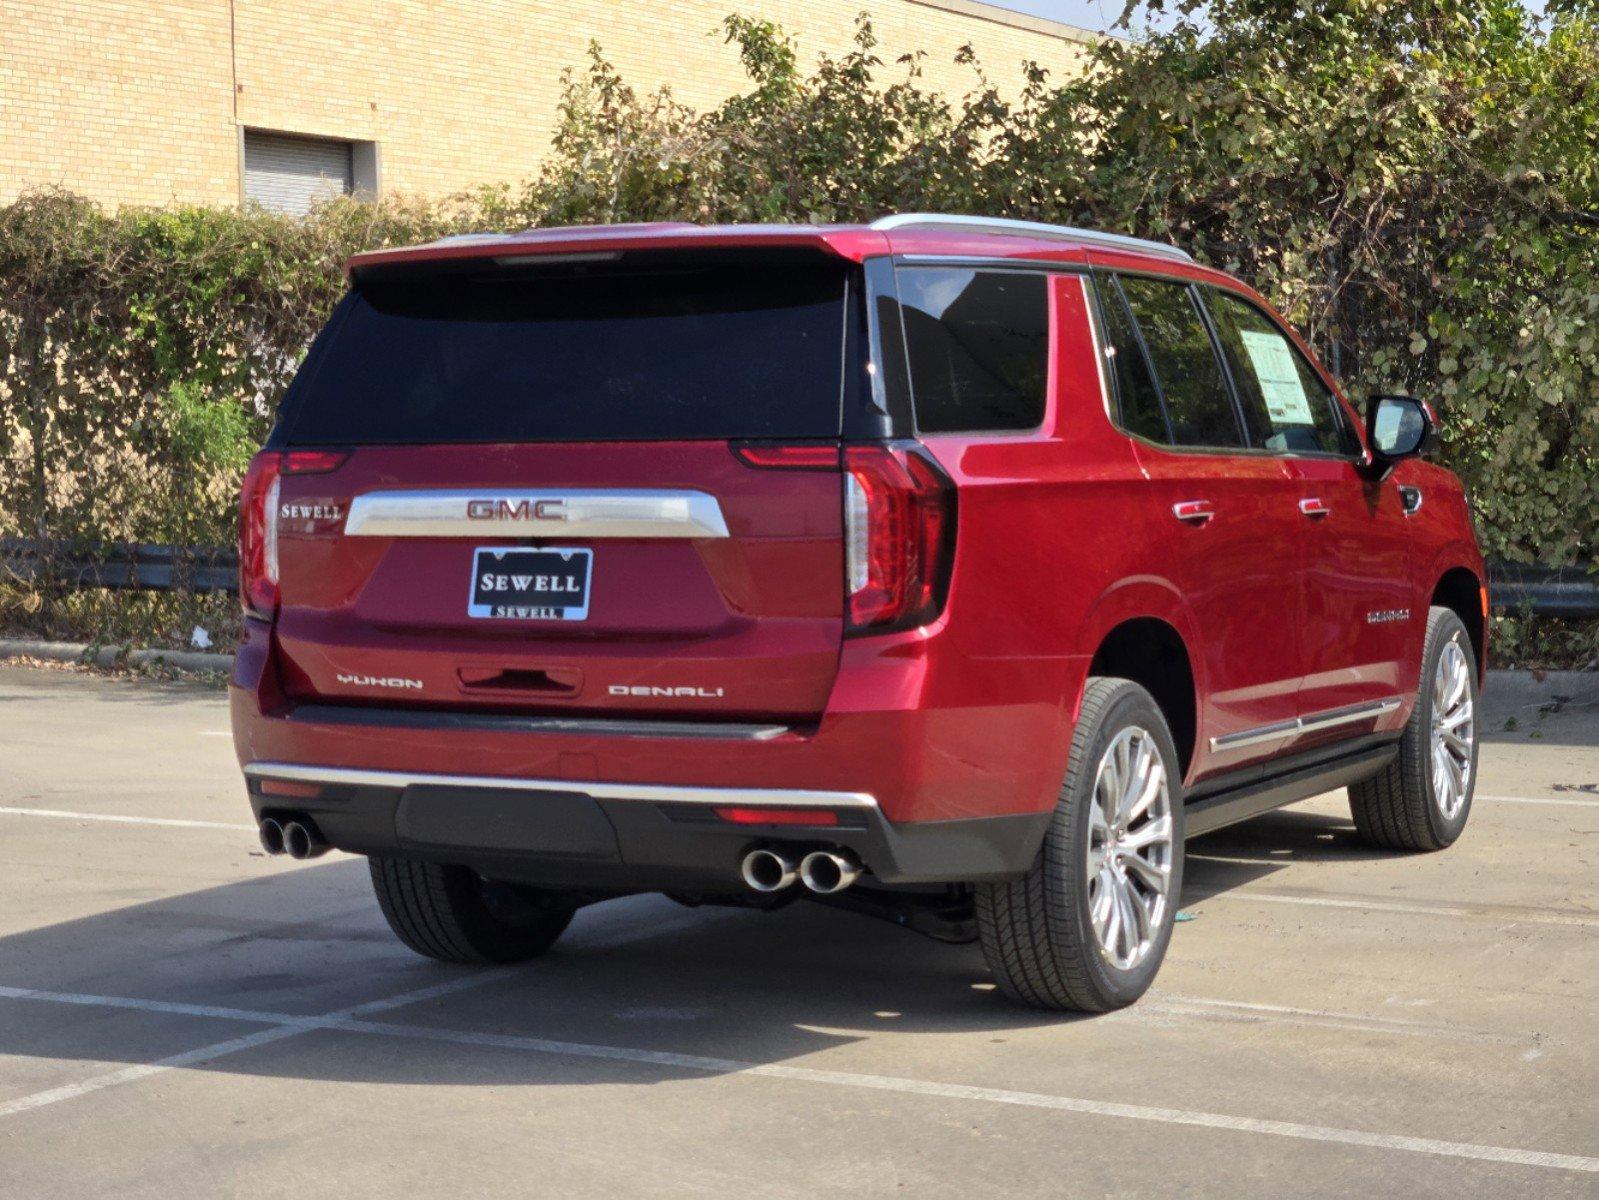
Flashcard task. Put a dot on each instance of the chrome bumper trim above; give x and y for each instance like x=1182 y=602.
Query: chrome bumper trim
x=430 y=719
x=1315 y=722
x=485 y=513
x=649 y=792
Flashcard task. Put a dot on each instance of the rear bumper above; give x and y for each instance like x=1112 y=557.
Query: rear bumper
x=921 y=792
x=629 y=837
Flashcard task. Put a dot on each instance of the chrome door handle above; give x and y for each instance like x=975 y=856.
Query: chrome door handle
x=1311 y=506
x=1195 y=512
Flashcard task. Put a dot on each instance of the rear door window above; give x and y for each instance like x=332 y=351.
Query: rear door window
x=740 y=351
x=978 y=346
x=1137 y=397
x=1199 y=408
x=1287 y=408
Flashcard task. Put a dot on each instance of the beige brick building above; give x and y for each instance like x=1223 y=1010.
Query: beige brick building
x=156 y=101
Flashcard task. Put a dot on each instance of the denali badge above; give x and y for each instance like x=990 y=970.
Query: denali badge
x=1383 y=616
x=390 y=681
x=696 y=693
x=520 y=510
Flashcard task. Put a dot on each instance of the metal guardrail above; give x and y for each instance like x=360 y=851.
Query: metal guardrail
x=132 y=567
x=1513 y=587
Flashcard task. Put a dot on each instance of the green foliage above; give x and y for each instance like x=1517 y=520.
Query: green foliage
x=1414 y=183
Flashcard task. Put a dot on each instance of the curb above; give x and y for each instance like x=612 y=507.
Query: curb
x=112 y=656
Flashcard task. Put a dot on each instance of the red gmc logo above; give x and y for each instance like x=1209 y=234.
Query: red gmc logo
x=520 y=510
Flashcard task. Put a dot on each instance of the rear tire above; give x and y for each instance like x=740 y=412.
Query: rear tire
x=455 y=915
x=1048 y=936
x=1421 y=800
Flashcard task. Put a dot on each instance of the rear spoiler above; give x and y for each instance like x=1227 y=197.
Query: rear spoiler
x=607 y=242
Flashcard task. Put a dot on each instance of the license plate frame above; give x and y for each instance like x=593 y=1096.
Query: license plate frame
x=521 y=603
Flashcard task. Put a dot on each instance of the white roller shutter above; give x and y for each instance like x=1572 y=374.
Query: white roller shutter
x=289 y=174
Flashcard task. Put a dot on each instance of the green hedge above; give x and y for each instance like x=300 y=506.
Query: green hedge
x=1415 y=184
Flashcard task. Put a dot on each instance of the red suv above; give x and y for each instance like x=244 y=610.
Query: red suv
x=952 y=570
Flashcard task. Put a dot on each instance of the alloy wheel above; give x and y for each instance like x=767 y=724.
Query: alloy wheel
x=1454 y=730
x=1129 y=848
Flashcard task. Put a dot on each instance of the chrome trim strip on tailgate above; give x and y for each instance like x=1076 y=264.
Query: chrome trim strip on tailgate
x=656 y=793
x=411 y=718
x=1330 y=719
x=575 y=513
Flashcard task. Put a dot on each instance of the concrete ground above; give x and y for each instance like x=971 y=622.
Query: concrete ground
x=181 y=1016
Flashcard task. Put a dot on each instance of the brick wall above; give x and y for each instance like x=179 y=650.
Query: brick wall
x=140 y=101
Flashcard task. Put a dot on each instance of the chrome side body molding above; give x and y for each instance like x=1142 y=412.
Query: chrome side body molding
x=580 y=513
x=649 y=792
x=1330 y=719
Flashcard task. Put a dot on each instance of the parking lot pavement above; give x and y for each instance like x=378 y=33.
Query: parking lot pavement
x=180 y=1015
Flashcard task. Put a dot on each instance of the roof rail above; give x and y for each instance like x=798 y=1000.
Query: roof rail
x=1065 y=233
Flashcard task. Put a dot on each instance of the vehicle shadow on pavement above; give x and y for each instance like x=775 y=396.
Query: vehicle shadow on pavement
x=644 y=974
x=1256 y=849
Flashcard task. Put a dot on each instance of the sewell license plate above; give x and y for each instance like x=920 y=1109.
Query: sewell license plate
x=519 y=584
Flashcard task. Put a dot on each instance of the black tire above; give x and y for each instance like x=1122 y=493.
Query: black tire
x=1400 y=809
x=1037 y=932
x=456 y=916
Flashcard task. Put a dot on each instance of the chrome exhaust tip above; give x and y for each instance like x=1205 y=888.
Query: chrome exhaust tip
x=301 y=840
x=271 y=835
x=767 y=870
x=825 y=872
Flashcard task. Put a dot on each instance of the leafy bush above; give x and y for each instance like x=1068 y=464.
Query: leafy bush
x=1415 y=183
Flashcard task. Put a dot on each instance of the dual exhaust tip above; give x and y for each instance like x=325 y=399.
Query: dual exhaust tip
x=295 y=837
x=821 y=871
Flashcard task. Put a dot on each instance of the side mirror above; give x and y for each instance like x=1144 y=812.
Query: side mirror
x=1398 y=427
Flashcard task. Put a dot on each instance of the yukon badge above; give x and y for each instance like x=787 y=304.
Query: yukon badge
x=380 y=681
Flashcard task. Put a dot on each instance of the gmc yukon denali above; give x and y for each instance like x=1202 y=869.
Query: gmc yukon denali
x=947 y=569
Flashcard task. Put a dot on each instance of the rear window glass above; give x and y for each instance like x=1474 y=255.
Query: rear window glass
x=1198 y=405
x=745 y=351
x=978 y=345
x=1139 y=399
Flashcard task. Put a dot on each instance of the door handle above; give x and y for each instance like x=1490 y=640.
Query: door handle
x=1311 y=506
x=1194 y=512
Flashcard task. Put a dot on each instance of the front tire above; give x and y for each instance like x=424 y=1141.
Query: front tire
x=1421 y=800
x=1088 y=925
x=455 y=915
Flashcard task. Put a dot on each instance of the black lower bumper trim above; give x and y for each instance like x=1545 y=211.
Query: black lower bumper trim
x=570 y=839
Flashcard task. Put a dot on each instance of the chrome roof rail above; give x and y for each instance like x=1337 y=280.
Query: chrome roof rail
x=1038 y=229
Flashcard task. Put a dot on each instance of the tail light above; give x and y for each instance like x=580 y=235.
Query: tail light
x=899 y=526
x=258 y=521
x=899 y=536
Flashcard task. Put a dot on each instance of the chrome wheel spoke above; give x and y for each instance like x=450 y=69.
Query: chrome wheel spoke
x=1130 y=848
x=1154 y=877
x=1150 y=833
x=1454 y=730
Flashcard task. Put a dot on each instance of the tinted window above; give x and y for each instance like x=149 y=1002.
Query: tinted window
x=723 y=352
x=1137 y=397
x=978 y=344
x=1197 y=402
x=1286 y=406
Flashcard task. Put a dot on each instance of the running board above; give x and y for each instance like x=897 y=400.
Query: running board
x=1220 y=809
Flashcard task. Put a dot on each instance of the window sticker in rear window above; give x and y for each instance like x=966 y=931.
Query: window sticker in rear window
x=1280 y=385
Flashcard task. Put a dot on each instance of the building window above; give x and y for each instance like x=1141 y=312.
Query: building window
x=289 y=173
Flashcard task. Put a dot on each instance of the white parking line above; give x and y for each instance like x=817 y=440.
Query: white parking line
x=349 y=1020
x=1320 y=1018
x=1431 y=910
x=1571 y=801
x=285 y=1024
x=120 y=819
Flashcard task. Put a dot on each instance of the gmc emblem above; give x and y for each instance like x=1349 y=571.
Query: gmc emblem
x=521 y=510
